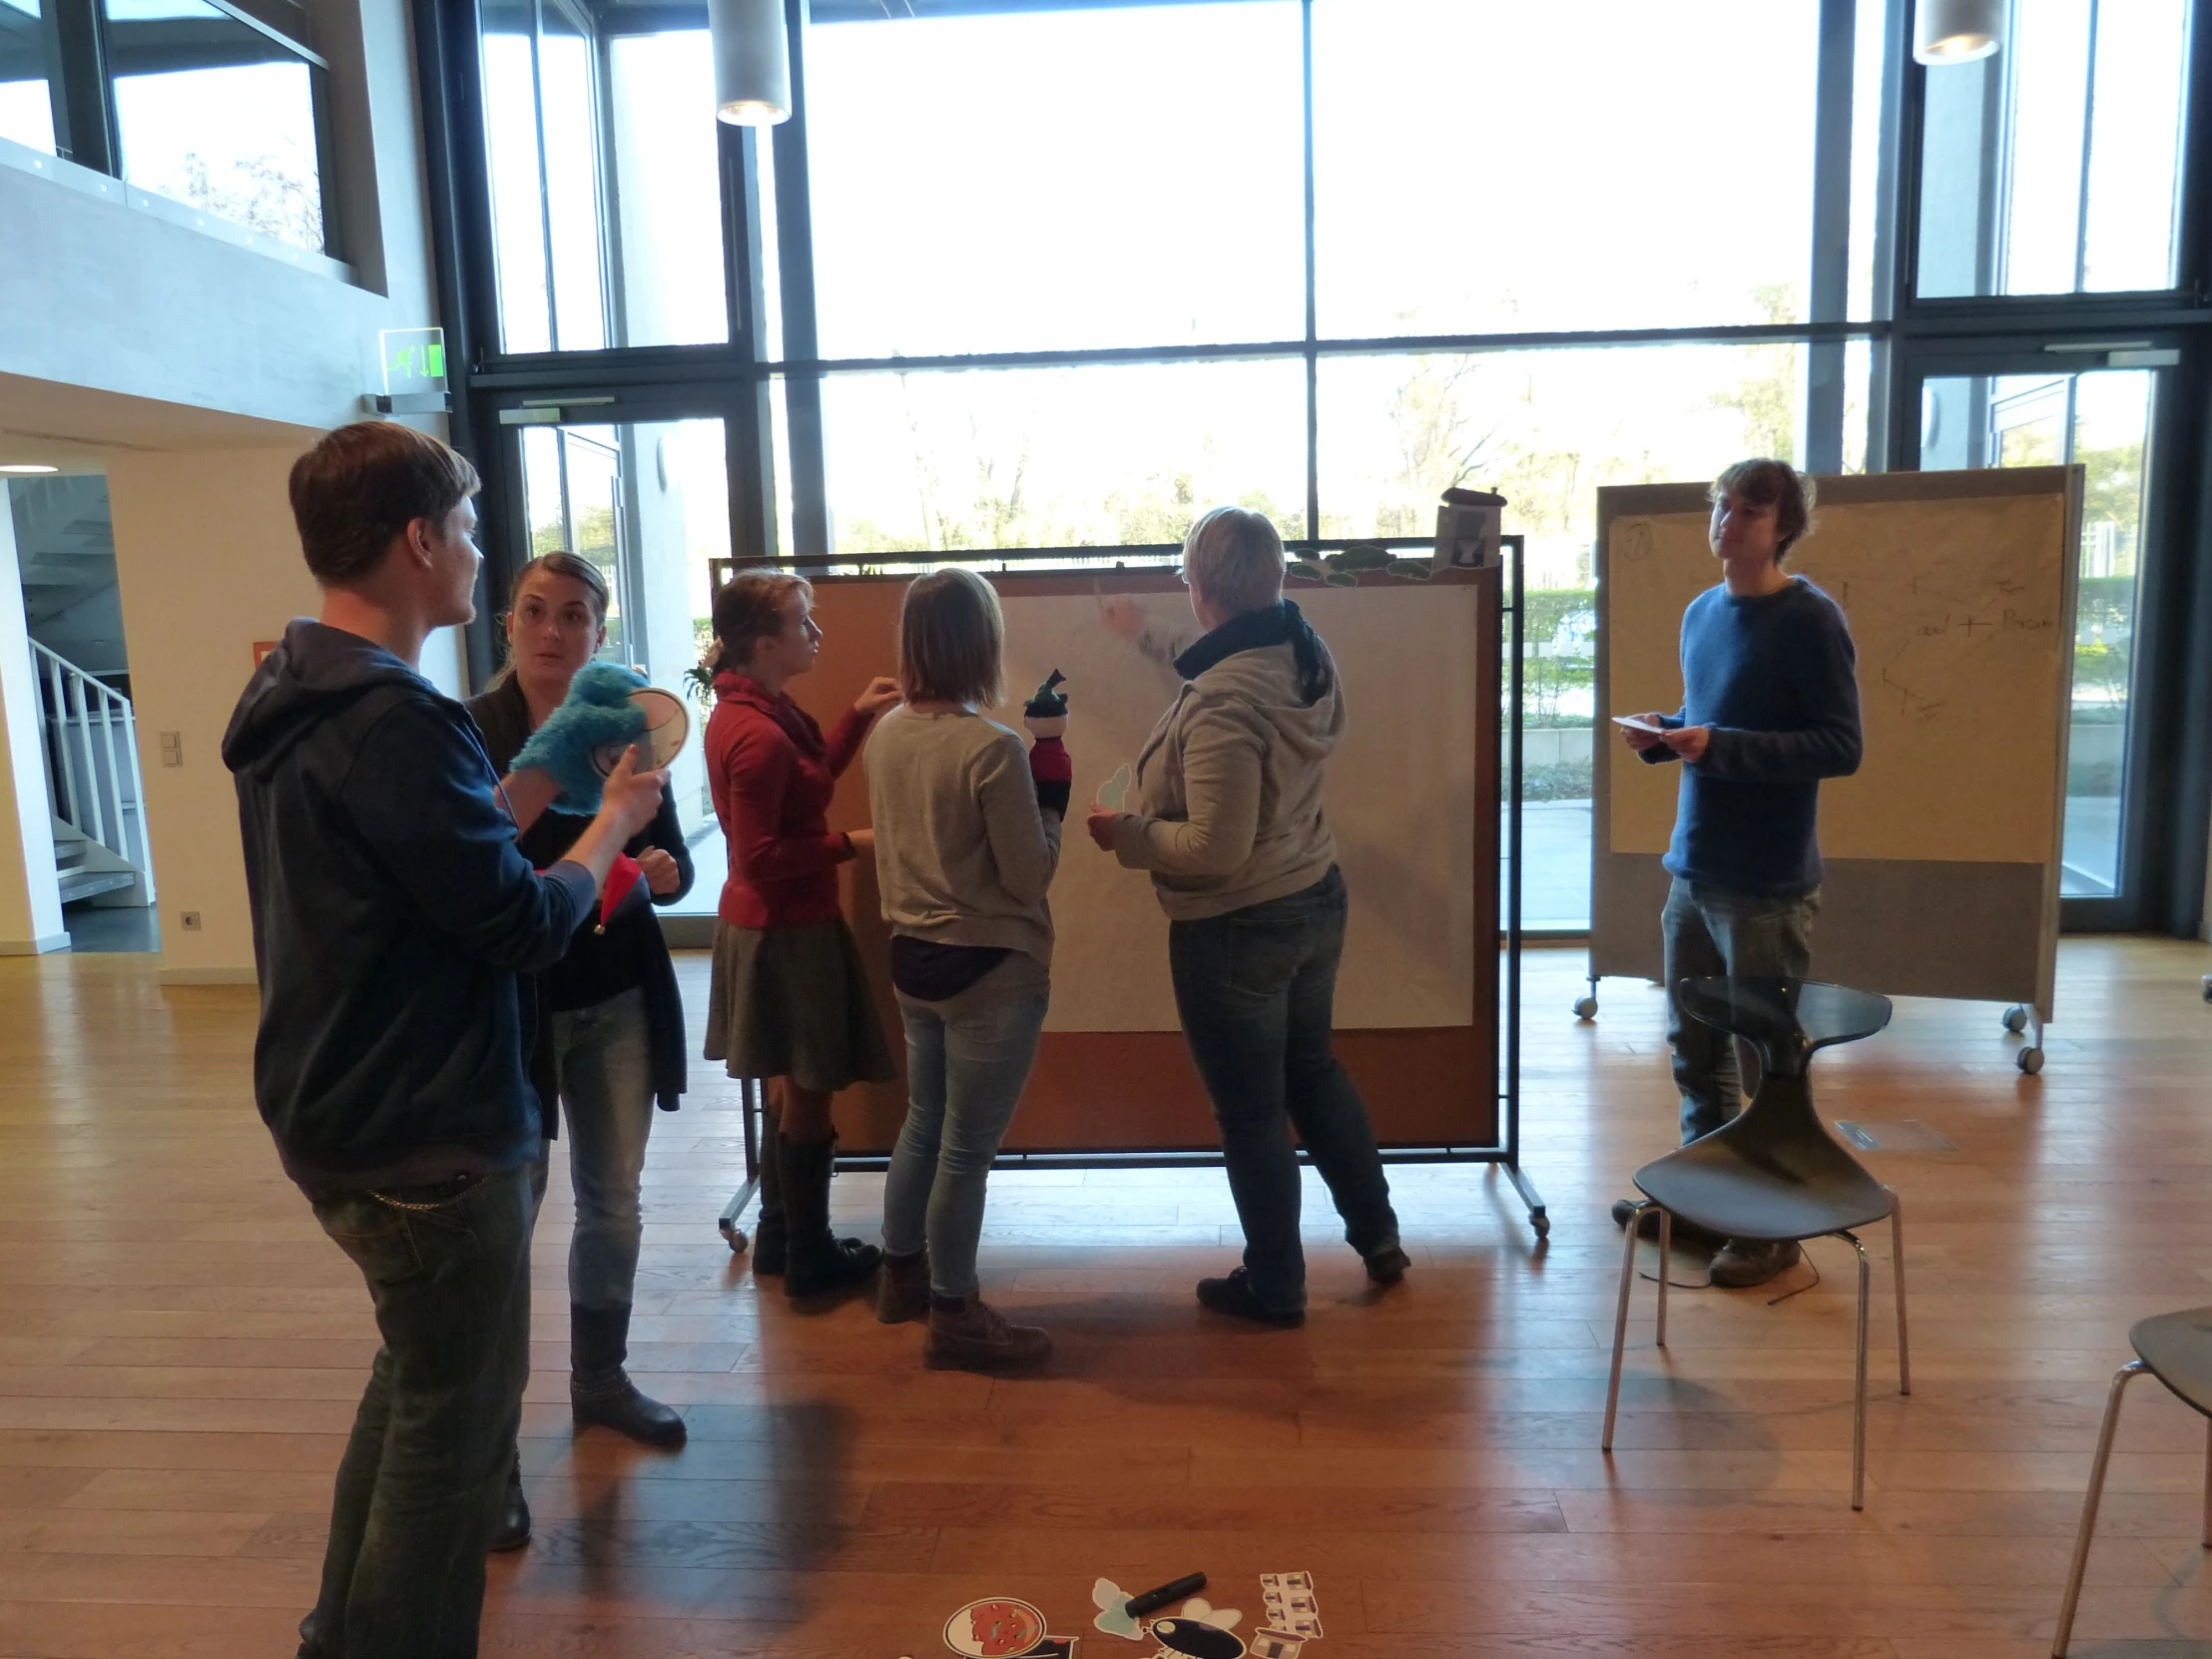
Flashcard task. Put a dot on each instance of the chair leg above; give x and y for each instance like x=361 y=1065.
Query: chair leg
x=2121 y=1379
x=1858 y=1394
x=1620 y=1322
x=1666 y=1259
x=1897 y=1263
x=2208 y=1483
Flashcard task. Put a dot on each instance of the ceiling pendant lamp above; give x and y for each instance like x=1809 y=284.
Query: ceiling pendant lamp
x=753 y=65
x=1957 y=31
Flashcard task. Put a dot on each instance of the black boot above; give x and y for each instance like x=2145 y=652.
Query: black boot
x=818 y=1261
x=600 y=1391
x=770 y=1238
x=513 y=1528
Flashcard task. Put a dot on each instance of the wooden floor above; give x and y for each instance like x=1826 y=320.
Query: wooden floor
x=181 y=1351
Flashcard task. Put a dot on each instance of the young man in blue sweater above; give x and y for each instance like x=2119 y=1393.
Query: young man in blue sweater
x=1770 y=706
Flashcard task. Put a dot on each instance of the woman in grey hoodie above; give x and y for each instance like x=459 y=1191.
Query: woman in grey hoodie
x=1229 y=821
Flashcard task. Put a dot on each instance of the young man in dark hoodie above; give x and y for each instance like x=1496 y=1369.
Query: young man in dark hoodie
x=393 y=914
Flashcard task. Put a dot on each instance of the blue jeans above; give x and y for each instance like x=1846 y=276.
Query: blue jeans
x=424 y=1474
x=602 y=1056
x=1714 y=930
x=967 y=1061
x=1256 y=990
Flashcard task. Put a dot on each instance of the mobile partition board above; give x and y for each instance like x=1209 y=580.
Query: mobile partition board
x=1412 y=801
x=1943 y=851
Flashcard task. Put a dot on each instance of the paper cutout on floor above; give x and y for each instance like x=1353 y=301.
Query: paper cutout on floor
x=1223 y=1618
x=1112 y=1602
x=998 y=1628
x=1275 y=1644
x=1292 y=1607
x=1121 y=1614
x=1113 y=795
x=1056 y=1647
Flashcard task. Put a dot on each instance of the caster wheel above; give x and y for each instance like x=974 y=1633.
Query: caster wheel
x=1542 y=1224
x=2015 y=1018
x=2030 y=1060
x=2208 y=988
x=1585 y=1007
x=735 y=1239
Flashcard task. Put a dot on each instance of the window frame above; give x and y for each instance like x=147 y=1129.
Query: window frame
x=1899 y=326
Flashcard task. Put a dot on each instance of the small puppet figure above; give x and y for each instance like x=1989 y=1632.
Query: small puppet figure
x=1050 y=769
x=597 y=711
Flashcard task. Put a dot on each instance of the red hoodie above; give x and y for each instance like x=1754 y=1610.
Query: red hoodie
x=773 y=774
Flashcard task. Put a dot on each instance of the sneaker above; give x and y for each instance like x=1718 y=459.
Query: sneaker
x=968 y=1334
x=1234 y=1296
x=1388 y=1265
x=903 y=1289
x=1741 y=1264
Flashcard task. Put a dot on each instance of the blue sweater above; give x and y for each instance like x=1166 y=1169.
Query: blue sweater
x=1774 y=679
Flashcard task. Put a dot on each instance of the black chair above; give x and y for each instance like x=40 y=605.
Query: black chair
x=2177 y=1350
x=1774 y=1174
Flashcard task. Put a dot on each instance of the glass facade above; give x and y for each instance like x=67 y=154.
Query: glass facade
x=1045 y=278
x=214 y=112
x=29 y=73
x=2054 y=166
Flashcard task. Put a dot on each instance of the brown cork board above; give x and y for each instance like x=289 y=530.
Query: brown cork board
x=1135 y=1090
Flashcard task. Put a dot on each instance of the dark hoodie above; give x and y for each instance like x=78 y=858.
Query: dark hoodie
x=392 y=912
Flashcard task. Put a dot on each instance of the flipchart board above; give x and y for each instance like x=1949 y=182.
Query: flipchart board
x=1412 y=800
x=1943 y=851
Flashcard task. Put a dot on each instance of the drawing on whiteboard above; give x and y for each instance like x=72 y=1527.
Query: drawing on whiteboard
x=1951 y=615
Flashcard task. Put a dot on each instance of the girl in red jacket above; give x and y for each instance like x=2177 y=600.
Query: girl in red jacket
x=790 y=1002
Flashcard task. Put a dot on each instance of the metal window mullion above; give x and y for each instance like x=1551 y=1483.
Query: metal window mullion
x=1313 y=330
x=1829 y=287
x=795 y=251
x=2088 y=139
x=545 y=175
x=749 y=436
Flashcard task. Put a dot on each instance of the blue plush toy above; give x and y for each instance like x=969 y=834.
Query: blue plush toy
x=596 y=711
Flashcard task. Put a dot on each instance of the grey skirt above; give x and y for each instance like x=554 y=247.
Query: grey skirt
x=795 y=1002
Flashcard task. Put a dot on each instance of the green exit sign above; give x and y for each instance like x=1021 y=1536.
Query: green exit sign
x=414 y=361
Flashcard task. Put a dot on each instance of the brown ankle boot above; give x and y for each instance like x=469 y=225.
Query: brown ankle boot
x=970 y=1335
x=903 y=1291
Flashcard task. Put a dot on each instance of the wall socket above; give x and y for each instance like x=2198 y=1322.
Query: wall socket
x=172 y=750
x=191 y=920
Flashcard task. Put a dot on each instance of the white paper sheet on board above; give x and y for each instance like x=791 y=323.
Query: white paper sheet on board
x=1399 y=799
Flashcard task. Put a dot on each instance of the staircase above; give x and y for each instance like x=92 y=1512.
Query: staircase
x=94 y=785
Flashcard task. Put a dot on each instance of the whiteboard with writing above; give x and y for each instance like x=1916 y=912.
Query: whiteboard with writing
x=1958 y=607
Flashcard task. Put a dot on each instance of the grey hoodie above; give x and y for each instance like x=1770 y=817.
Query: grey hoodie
x=1228 y=808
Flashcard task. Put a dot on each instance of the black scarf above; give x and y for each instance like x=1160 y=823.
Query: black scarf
x=1257 y=630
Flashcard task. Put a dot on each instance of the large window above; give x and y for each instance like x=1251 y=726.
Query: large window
x=1092 y=456
x=1046 y=278
x=2054 y=166
x=192 y=100
x=29 y=72
x=1058 y=180
x=218 y=113
x=1495 y=169
x=606 y=202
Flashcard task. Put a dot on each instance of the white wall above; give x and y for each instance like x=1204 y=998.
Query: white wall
x=30 y=898
x=196 y=363
x=102 y=287
x=208 y=563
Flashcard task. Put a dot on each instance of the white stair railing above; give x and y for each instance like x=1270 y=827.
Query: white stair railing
x=92 y=750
